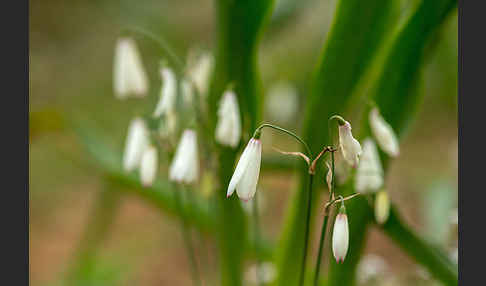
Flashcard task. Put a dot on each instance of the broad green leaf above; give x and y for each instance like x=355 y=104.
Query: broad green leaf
x=358 y=29
x=239 y=26
x=160 y=194
x=396 y=95
x=429 y=255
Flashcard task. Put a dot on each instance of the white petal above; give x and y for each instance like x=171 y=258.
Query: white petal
x=369 y=174
x=148 y=166
x=135 y=144
x=384 y=134
x=246 y=186
x=340 y=237
x=192 y=172
x=350 y=147
x=168 y=93
x=228 y=128
x=185 y=165
x=240 y=168
x=129 y=77
x=200 y=70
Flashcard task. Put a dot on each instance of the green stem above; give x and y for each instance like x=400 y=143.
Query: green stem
x=257 y=239
x=321 y=244
x=101 y=219
x=162 y=43
x=187 y=240
x=307 y=227
x=257 y=132
x=324 y=225
x=333 y=184
x=203 y=256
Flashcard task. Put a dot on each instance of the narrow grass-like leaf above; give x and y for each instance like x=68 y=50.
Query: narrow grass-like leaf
x=358 y=28
x=396 y=95
x=239 y=25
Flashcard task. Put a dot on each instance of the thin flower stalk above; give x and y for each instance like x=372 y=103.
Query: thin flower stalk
x=187 y=238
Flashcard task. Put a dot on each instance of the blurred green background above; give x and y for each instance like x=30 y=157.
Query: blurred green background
x=71 y=58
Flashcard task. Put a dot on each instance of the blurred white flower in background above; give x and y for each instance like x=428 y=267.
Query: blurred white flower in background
x=282 y=102
x=148 y=166
x=371 y=267
x=454 y=255
x=369 y=174
x=382 y=207
x=168 y=93
x=185 y=164
x=228 y=128
x=267 y=270
x=454 y=217
x=200 y=67
x=129 y=77
x=384 y=134
x=135 y=144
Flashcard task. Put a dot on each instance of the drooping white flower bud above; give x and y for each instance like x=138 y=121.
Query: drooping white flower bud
x=245 y=177
x=148 y=166
x=200 y=69
x=369 y=174
x=228 y=128
x=382 y=207
x=168 y=93
x=135 y=144
x=185 y=165
x=340 y=236
x=350 y=147
x=384 y=134
x=129 y=76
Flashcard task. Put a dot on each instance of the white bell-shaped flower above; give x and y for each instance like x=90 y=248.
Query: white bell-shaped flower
x=185 y=165
x=228 y=128
x=168 y=93
x=129 y=77
x=369 y=174
x=200 y=69
x=340 y=236
x=382 y=207
x=148 y=166
x=245 y=177
x=136 y=142
x=350 y=147
x=384 y=134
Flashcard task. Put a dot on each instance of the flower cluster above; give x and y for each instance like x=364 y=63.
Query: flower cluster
x=192 y=84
